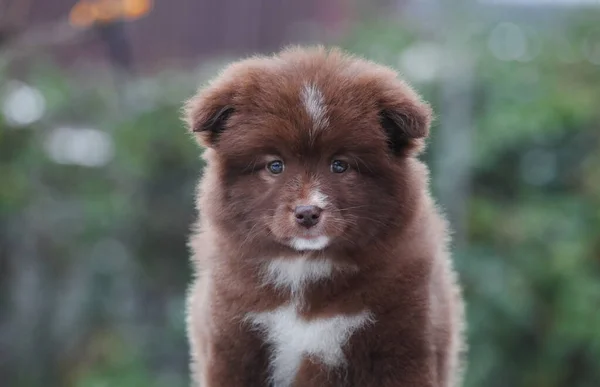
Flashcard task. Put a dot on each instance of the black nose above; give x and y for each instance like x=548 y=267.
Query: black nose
x=307 y=216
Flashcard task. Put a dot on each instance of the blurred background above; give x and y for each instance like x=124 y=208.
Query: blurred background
x=97 y=172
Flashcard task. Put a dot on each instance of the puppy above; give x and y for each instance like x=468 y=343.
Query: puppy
x=320 y=257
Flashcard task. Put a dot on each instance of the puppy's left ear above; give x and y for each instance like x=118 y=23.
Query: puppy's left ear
x=406 y=122
x=207 y=114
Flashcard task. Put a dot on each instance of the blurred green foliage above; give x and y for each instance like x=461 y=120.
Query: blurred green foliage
x=94 y=260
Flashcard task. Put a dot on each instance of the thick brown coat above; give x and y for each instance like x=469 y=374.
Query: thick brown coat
x=384 y=258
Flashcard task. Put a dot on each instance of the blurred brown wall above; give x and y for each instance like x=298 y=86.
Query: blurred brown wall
x=186 y=30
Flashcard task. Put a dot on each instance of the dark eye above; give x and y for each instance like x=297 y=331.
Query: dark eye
x=275 y=167
x=339 y=166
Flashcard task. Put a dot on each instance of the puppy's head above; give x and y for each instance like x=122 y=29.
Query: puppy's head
x=309 y=149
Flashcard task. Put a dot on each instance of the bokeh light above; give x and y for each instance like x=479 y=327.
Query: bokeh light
x=22 y=104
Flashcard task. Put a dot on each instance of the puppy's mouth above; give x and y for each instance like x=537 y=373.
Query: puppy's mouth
x=309 y=243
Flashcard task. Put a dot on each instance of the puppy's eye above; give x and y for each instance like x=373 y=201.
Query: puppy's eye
x=275 y=167
x=339 y=166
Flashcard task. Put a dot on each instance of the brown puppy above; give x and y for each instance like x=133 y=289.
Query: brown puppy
x=320 y=257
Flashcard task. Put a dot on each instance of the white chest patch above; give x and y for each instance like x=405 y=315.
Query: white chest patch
x=293 y=338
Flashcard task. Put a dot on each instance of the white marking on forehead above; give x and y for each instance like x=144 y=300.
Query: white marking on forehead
x=296 y=273
x=314 y=103
x=293 y=337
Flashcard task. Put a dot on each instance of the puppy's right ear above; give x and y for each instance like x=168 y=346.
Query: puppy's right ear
x=207 y=115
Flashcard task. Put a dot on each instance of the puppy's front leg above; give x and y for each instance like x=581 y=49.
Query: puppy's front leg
x=232 y=360
x=423 y=379
x=405 y=371
x=225 y=351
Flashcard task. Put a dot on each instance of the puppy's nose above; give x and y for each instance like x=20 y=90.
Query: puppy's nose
x=307 y=216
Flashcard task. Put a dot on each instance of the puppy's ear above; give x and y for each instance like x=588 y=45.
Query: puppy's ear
x=207 y=114
x=210 y=112
x=406 y=124
x=210 y=127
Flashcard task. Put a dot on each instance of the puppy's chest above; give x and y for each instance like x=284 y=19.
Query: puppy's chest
x=292 y=337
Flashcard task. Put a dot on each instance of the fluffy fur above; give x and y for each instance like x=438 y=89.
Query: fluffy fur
x=367 y=296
